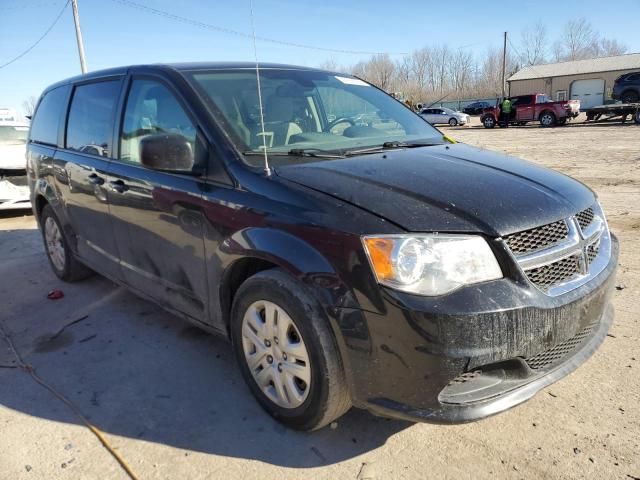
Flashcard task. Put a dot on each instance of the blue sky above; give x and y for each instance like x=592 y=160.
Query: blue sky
x=116 y=34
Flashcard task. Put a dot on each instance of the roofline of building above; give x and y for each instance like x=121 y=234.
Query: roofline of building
x=572 y=61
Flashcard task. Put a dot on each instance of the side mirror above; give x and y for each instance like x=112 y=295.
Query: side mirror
x=170 y=152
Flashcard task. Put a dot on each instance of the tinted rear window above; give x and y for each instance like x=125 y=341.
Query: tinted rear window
x=91 y=116
x=44 y=127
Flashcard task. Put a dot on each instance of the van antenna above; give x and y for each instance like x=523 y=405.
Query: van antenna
x=267 y=170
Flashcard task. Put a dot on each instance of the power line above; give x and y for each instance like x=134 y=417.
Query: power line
x=208 y=26
x=39 y=39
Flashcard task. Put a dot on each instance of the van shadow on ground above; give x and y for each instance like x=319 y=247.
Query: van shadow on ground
x=138 y=372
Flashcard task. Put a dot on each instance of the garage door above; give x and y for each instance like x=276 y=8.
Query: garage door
x=589 y=92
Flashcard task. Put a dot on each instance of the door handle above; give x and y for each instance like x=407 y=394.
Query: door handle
x=95 y=179
x=119 y=186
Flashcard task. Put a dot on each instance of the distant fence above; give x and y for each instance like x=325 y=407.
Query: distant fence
x=460 y=104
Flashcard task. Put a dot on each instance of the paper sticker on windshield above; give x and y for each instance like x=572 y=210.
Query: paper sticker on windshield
x=352 y=81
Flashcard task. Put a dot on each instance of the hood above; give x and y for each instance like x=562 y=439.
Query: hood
x=454 y=188
x=12 y=157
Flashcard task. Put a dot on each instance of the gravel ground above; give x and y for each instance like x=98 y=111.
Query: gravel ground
x=171 y=403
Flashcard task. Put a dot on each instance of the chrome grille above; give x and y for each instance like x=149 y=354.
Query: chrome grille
x=537 y=238
x=556 y=353
x=592 y=251
x=563 y=255
x=553 y=273
x=585 y=217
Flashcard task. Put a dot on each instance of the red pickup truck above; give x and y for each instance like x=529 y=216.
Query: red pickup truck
x=529 y=108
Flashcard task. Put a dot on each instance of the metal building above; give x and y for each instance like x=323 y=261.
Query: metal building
x=589 y=81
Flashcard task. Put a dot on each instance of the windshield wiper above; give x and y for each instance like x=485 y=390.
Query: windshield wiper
x=300 y=152
x=389 y=146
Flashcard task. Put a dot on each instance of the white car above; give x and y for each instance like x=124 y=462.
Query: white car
x=14 y=192
x=441 y=115
x=13 y=144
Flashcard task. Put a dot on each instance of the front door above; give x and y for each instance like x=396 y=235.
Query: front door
x=81 y=170
x=157 y=217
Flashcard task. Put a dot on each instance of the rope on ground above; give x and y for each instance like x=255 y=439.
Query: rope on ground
x=95 y=430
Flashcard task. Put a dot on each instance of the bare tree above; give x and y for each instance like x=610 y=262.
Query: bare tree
x=579 y=39
x=534 y=44
x=29 y=106
x=379 y=70
x=608 y=47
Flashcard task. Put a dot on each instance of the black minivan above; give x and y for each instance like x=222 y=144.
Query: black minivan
x=351 y=253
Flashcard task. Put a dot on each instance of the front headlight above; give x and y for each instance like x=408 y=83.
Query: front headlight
x=430 y=264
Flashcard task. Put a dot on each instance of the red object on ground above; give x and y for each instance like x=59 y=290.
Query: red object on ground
x=55 y=294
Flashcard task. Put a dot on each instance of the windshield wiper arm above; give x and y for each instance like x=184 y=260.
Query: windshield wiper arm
x=388 y=146
x=300 y=152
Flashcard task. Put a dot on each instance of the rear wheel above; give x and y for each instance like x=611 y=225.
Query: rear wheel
x=489 y=121
x=287 y=352
x=630 y=97
x=63 y=262
x=547 y=119
x=453 y=122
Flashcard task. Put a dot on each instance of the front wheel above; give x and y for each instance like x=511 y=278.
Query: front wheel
x=453 y=122
x=287 y=351
x=630 y=97
x=547 y=119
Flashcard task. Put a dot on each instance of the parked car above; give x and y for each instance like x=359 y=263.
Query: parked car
x=378 y=265
x=534 y=107
x=13 y=141
x=476 y=108
x=14 y=193
x=440 y=115
x=627 y=88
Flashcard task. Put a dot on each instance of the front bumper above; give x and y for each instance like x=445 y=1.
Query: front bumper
x=477 y=351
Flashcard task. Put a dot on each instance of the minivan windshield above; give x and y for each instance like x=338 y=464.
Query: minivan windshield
x=13 y=134
x=316 y=113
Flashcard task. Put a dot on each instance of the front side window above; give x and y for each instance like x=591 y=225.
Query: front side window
x=306 y=110
x=151 y=109
x=90 y=123
x=44 y=127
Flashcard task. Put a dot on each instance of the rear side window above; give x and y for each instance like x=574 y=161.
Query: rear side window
x=633 y=77
x=44 y=127
x=91 y=116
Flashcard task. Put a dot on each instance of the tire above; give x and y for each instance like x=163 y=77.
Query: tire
x=489 y=121
x=299 y=404
x=547 y=119
x=453 y=122
x=636 y=117
x=61 y=258
x=630 y=97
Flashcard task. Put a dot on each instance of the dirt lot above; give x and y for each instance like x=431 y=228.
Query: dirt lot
x=172 y=404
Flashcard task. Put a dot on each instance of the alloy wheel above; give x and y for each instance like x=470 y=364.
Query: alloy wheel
x=55 y=247
x=276 y=354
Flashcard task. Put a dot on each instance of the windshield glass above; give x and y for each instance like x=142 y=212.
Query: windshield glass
x=307 y=110
x=13 y=135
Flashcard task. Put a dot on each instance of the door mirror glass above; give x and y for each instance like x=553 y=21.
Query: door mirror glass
x=168 y=152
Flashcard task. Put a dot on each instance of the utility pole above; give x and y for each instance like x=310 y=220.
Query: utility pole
x=76 y=21
x=504 y=66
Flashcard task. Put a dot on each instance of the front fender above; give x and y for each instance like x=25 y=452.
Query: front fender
x=293 y=255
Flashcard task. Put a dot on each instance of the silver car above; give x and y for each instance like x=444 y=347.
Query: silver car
x=441 y=115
